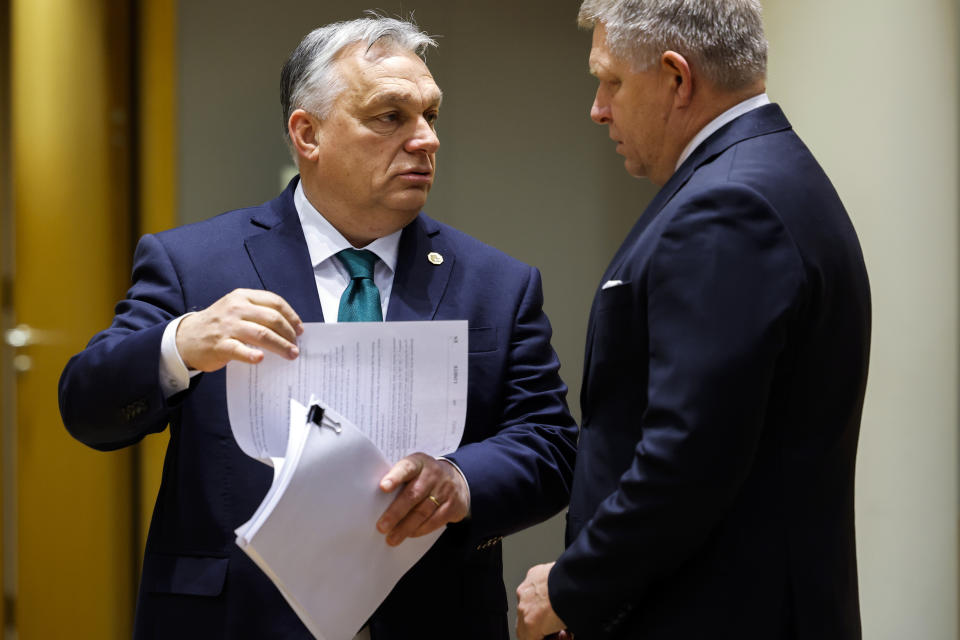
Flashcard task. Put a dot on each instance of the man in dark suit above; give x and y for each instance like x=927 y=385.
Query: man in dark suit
x=359 y=109
x=726 y=357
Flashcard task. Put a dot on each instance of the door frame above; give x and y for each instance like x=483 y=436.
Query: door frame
x=8 y=554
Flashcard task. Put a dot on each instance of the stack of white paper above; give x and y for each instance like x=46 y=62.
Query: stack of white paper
x=317 y=540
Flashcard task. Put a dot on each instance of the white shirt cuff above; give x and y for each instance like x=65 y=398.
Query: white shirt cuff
x=465 y=483
x=174 y=375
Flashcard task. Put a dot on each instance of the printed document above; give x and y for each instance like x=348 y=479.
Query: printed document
x=403 y=384
x=386 y=390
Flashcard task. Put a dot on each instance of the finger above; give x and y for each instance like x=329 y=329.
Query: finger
x=446 y=509
x=259 y=336
x=522 y=630
x=270 y=318
x=236 y=350
x=272 y=300
x=409 y=499
x=404 y=471
x=411 y=522
x=437 y=519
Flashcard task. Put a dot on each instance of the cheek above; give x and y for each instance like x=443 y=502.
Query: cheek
x=630 y=131
x=366 y=158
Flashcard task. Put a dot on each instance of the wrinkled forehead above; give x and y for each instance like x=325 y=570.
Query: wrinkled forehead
x=600 y=56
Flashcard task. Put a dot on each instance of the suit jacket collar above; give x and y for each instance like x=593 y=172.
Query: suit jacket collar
x=761 y=121
x=280 y=256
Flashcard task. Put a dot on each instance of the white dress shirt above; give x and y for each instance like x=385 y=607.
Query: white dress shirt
x=729 y=115
x=324 y=242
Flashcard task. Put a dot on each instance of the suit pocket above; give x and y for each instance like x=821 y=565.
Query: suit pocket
x=185 y=575
x=482 y=339
x=619 y=296
x=618 y=325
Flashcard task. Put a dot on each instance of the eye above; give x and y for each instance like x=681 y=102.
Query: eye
x=431 y=117
x=608 y=87
x=389 y=118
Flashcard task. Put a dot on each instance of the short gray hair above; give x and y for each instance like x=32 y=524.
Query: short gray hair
x=723 y=38
x=309 y=80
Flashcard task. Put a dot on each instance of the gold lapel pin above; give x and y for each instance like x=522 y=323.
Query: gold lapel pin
x=435 y=258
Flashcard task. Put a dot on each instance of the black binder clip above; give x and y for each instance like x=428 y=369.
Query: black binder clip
x=317 y=416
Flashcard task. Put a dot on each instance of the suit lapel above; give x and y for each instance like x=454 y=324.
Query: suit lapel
x=760 y=121
x=280 y=256
x=663 y=196
x=419 y=283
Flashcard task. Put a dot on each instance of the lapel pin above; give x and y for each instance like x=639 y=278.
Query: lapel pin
x=435 y=258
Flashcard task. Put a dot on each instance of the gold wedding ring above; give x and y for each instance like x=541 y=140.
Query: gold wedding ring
x=434 y=500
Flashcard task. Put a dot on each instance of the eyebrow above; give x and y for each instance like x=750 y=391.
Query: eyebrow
x=402 y=97
x=595 y=66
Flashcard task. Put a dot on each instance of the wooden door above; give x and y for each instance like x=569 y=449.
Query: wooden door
x=69 y=150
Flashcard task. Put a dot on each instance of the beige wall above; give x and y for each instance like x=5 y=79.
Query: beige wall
x=872 y=88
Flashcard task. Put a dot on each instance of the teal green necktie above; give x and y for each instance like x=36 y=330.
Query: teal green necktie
x=360 y=302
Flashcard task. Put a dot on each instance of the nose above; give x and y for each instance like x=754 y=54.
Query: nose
x=424 y=138
x=600 y=111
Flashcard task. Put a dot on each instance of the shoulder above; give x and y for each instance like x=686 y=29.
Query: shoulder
x=765 y=163
x=226 y=231
x=229 y=223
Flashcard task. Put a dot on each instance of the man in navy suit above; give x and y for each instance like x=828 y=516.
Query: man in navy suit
x=359 y=110
x=726 y=357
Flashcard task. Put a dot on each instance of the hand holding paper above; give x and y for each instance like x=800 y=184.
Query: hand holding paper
x=320 y=531
x=435 y=494
x=314 y=533
x=239 y=326
x=403 y=384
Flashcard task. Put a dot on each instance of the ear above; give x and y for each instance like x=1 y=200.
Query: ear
x=304 y=131
x=676 y=70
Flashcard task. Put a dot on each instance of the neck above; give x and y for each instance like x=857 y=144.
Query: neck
x=708 y=103
x=359 y=227
x=337 y=215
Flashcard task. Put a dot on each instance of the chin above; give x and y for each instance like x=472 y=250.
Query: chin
x=635 y=170
x=412 y=201
x=397 y=219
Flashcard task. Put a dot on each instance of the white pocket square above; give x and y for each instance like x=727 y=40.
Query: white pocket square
x=609 y=284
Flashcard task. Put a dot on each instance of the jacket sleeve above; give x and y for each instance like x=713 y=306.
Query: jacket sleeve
x=521 y=475
x=109 y=393
x=721 y=287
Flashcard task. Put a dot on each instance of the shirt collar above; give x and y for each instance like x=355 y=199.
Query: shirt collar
x=729 y=115
x=324 y=241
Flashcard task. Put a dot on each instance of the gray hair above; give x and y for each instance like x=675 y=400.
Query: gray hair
x=722 y=38
x=309 y=80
